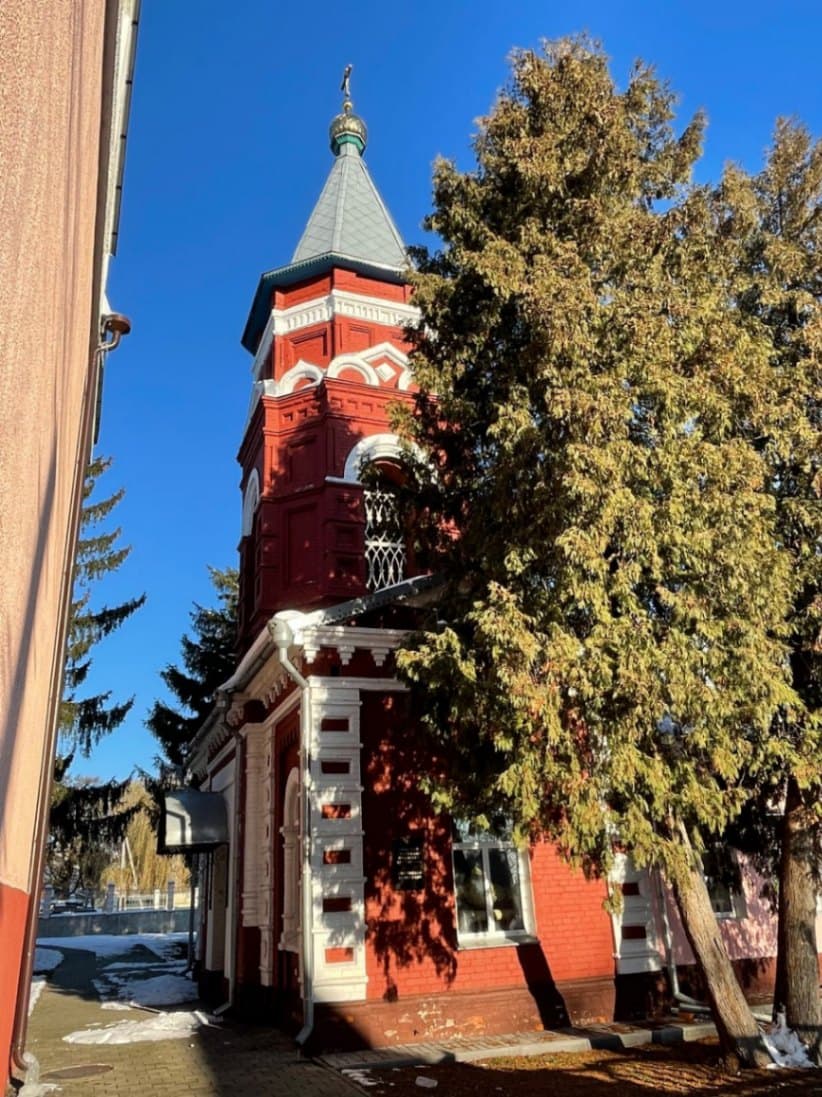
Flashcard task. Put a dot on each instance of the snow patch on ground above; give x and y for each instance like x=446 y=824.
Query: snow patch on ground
x=165 y=946
x=46 y=960
x=163 y=1026
x=162 y=990
x=115 y=1005
x=37 y=984
x=785 y=1047
x=147 y=965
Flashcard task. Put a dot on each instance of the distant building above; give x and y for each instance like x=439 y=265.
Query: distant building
x=65 y=73
x=341 y=905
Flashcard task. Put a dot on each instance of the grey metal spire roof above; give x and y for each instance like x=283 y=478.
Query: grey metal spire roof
x=350 y=218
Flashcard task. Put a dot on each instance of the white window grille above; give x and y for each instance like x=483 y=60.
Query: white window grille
x=385 y=555
x=491 y=886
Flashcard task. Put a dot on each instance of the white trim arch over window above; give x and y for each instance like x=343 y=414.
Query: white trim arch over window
x=376 y=447
x=251 y=499
x=349 y=361
x=303 y=371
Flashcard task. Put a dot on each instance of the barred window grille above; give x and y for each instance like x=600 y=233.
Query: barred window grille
x=384 y=539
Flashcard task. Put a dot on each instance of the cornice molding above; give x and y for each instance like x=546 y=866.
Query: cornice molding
x=346 y=639
x=322 y=310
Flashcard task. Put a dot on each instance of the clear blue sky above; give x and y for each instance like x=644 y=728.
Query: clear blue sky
x=227 y=152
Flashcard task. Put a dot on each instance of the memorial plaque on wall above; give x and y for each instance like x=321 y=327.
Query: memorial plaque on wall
x=407 y=863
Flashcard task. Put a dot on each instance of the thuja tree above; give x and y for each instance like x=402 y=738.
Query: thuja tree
x=208 y=659
x=775 y=221
x=609 y=648
x=86 y=817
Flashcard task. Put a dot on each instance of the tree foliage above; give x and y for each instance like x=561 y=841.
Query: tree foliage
x=611 y=648
x=138 y=866
x=87 y=817
x=85 y=720
x=775 y=219
x=207 y=661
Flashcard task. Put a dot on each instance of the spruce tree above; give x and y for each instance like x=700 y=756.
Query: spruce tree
x=86 y=817
x=609 y=651
x=208 y=659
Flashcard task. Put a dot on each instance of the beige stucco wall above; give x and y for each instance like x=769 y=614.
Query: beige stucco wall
x=51 y=88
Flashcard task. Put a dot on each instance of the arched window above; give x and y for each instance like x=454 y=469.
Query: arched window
x=386 y=556
x=290 y=938
x=251 y=498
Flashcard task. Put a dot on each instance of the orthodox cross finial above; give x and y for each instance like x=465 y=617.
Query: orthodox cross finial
x=347 y=128
x=345 y=87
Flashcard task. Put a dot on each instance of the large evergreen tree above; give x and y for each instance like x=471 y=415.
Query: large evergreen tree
x=208 y=659
x=86 y=816
x=609 y=653
x=775 y=220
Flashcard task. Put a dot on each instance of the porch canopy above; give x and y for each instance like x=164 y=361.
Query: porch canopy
x=192 y=822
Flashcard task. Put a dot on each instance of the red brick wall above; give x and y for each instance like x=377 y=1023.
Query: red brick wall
x=411 y=936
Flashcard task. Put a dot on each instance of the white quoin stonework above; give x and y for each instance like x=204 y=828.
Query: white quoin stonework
x=337 y=936
x=640 y=952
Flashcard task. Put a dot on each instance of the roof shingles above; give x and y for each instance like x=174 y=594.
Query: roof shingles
x=351 y=219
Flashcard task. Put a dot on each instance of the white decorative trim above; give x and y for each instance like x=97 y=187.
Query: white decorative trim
x=334 y=830
x=634 y=954
x=374 y=447
x=346 y=639
x=321 y=310
x=290 y=831
x=303 y=371
x=251 y=499
x=385 y=350
x=354 y=361
x=254 y=845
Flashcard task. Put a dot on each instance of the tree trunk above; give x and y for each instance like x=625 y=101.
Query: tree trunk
x=797 y=959
x=739 y=1035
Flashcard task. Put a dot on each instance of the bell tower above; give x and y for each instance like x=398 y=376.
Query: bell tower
x=326 y=332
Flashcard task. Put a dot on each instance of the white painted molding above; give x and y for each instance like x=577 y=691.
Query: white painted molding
x=354 y=362
x=323 y=309
x=374 y=447
x=346 y=639
x=302 y=371
x=385 y=350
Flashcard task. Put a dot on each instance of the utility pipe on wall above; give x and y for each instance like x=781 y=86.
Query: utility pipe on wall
x=681 y=999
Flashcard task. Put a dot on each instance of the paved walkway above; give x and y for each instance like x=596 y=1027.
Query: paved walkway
x=227 y=1060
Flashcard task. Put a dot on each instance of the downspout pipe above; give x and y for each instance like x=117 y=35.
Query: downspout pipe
x=283 y=636
x=680 y=999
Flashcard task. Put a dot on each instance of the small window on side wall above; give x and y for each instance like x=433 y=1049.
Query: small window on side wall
x=491 y=886
x=724 y=881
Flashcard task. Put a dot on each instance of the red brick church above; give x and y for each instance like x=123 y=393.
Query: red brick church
x=341 y=905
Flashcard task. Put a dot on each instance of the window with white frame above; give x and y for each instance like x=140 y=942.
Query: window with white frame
x=723 y=880
x=491 y=885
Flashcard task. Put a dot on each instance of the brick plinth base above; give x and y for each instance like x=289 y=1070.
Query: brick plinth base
x=350 y=1026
